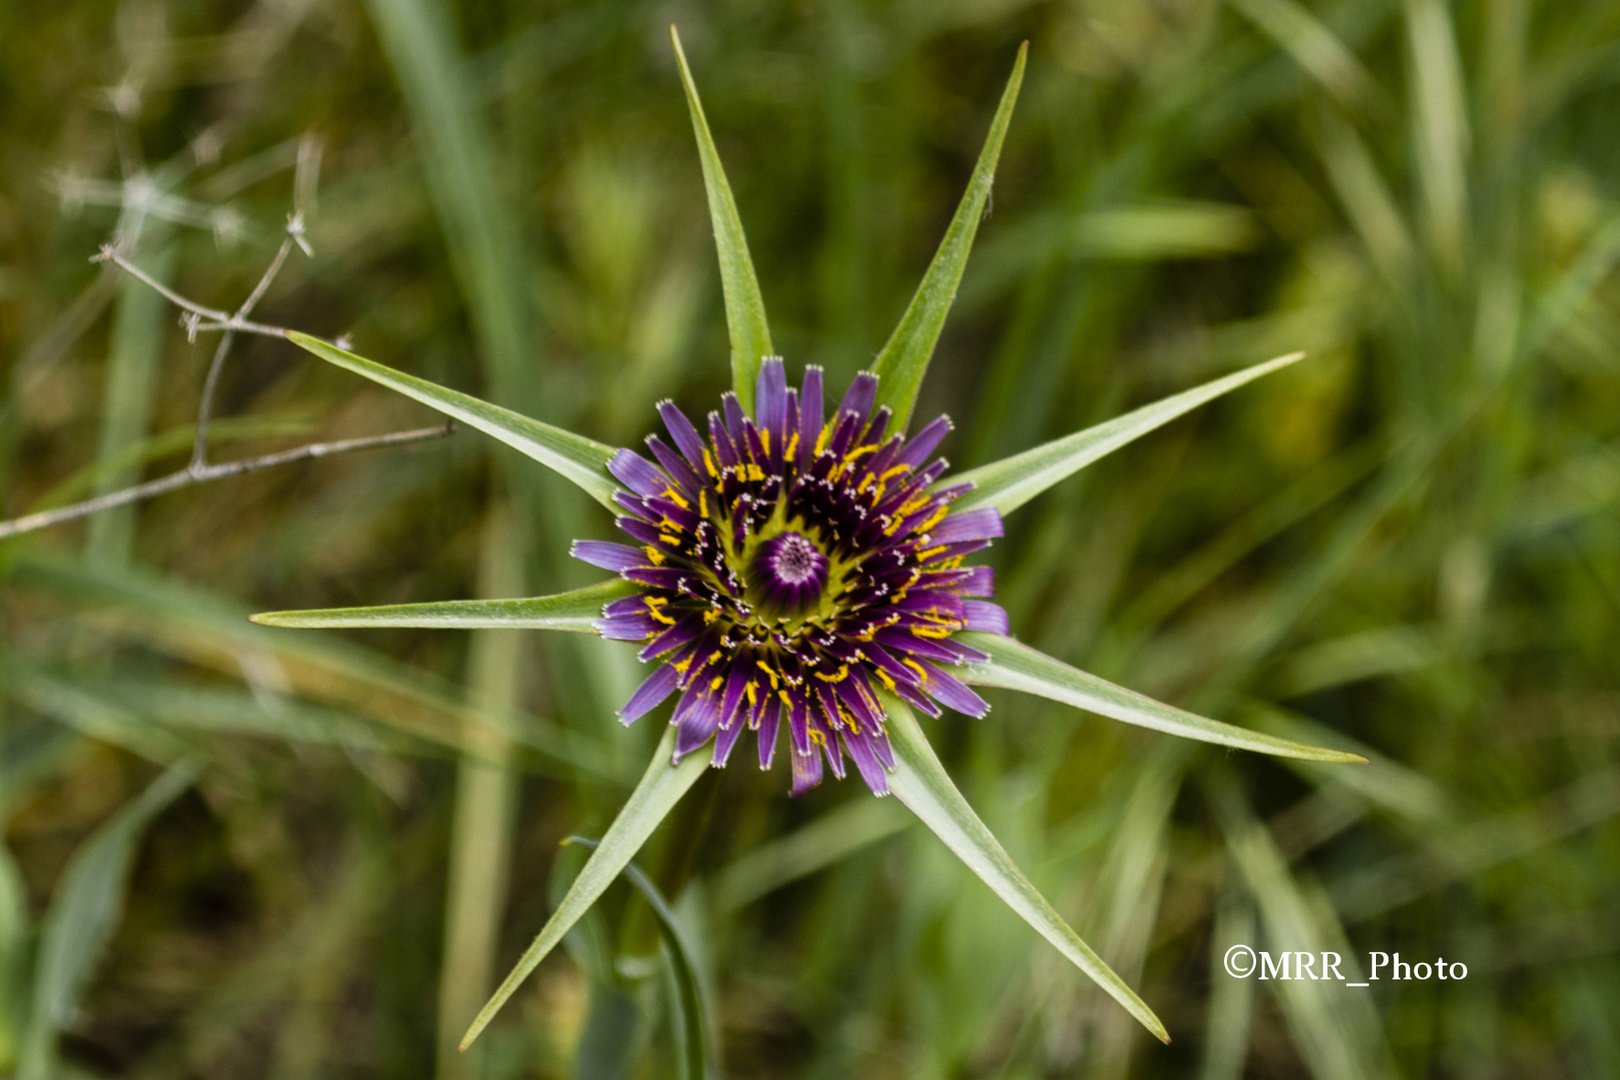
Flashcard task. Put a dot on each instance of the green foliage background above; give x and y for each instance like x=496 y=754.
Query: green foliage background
x=235 y=851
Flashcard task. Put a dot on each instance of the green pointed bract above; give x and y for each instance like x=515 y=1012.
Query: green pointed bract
x=581 y=460
x=745 y=307
x=903 y=362
x=920 y=782
x=661 y=787
x=1011 y=482
x=578 y=611
x=1015 y=666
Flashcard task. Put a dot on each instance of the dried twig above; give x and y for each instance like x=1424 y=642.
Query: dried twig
x=188 y=476
x=198 y=470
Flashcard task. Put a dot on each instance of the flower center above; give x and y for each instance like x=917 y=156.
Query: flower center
x=789 y=571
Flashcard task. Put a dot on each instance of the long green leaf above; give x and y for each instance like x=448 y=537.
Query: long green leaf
x=689 y=997
x=660 y=789
x=1015 y=666
x=745 y=307
x=904 y=360
x=577 y=610
x=920 y=781
x=1011 y=482
x=581 y=460
x=83 y=915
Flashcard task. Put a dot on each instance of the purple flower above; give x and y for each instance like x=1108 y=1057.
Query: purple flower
x=790 y=564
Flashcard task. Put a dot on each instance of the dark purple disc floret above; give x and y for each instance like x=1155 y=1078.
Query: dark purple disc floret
x=790 y=568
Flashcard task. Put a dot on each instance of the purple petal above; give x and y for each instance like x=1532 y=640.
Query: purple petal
x=723 y=745
x=806 y=772
x=897 y=671
x=981 y=581
x=862 y=393
x=649 y=695
x=770 y=399
x=630 y=605
x=685 y=435
x=918 y=700
x=959 y=549
x=633 y=504
x=695 y=722
x=608 y=555
x=867 y=764
x=673 y=637
x=879 y=424
x=981 y=524
x=736 y=683
x=672 y=578
x=952 y=693
x=637 y=473
x=965 y=654
x=859 y=700
x=678 y=468
x=767 y=732
x=810 y=407
x=799 y=724
x=723 y=446
x=881 y=747
x=904 y=641
x=734 y=416
x=637 y=626
x=919 y=446
x=835 y=754
x=983 y=615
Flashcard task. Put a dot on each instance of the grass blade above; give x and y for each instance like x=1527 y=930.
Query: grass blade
x=577 y=611
x=660 y=789
x=745 y=307
x=458 y=158
x=904 y=360
x=196 y=625
x=93 y=715
x=920 y=781
x=140 y=324
x=1011 y=482
x=1439 y=105
x=14 y=933
x=689 y=991
x=1315 y=48
x=830 y=838
x=83 y=915
x=484 y=821
x=1015 y=666
x=1338 y=1034
x=581 y=460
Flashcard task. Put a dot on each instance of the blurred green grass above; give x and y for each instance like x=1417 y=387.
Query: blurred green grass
x=1406 y=544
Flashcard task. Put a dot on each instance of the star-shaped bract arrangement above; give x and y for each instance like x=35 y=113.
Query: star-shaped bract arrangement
x=796 y=571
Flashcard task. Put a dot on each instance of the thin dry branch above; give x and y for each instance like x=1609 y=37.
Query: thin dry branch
x=198 y=470
x=189 y=476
